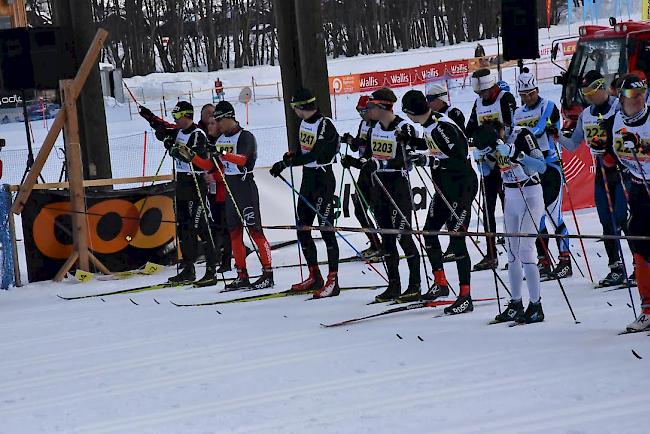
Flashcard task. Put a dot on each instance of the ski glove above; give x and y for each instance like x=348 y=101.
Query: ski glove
x=287 y=158
x=182 y=152
x=505 y=149
x=347 y=138
x=597 y=146
x=481 y=154
x=168 y=143
x=634 y=141
x=552 y=130
x=370 y=165
x=348 y=161
x=277 y=169
x=146 y=113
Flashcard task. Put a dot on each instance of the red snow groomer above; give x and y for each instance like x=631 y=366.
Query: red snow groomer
x=613 y=51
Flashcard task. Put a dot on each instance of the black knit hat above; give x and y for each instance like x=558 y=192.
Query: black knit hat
x=183 y=109
x=485 y=136
x=303 y=99
x=632 y=81
x=224 y=110
x=383 y=98
x=414 y=103
x=590 y=77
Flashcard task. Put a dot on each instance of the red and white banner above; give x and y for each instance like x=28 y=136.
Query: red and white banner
x=579 y=173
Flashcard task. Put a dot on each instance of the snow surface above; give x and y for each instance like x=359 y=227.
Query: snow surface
x=108 y=365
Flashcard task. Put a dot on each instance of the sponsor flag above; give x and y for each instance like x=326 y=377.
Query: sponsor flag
x=645 y=9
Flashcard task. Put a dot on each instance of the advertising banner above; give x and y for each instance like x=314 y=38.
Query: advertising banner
x=6 y=243
x=579 y=173
x=126 y=228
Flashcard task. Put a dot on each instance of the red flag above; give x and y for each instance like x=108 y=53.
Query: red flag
x=548 y=13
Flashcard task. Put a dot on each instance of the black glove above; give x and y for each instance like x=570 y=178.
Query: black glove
x=277 y=169
x=403 y=137
x=418 y=159
x=369 y=165
x=347 y=138
x=287 y=158
x=182 y=152
x=552 y=130
x=347 y=161
x=146 y=113
x=168 y=143
x=357 y=143
x=631 y=141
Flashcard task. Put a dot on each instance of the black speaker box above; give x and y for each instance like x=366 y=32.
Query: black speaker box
x=519 y=29
x=35 y=58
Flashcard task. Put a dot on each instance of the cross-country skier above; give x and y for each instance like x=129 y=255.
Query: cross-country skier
x=589 y=125
x=537 y=114
x=319 y=143
x=236 y=150
x=438 y=99
x=520 y=160
x=385 y=160
x=366 y=194
x=492 y=103
x=628 y=137
x=184 y=140
x=448 y=157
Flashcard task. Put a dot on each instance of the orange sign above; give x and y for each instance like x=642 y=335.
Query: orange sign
x=344 y=84
x=568 y=48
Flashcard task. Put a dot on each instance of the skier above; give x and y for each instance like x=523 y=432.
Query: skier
x=520 y=160
x=236 y=150
x=438 y=99
x=628 y=137
x=184 y=140
x=206 y=116
x=492 y=103
x=366 y=193
x=589 y=125
x=384 y=158
x=452 y=173
x=319 y=143
x=538 y=114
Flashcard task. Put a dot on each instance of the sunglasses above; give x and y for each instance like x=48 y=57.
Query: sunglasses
x=362 y=111
x=431 y=98
x=180 y=114
x=593 y=87
x=527 y=94
x=633 y=93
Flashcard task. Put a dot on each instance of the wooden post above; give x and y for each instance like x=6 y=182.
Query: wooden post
x=75 y=174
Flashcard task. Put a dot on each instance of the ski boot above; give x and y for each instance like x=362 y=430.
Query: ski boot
x=186 y=274
x=435 y=291
x=615 y=276
x=240 y=282
x=545 y=272
x=486 y=263
x=640 y=324
x=314 y=281
x=391 y=293
x=463 y=304
x=331 y=287
x=563 y=268
x=370 y=253
x=632 y=279
x=514 y=309
x=225 y=265
x=450 y=256
x=412 y=294
x=534 y=313
x=210 y=277
x=264 y=281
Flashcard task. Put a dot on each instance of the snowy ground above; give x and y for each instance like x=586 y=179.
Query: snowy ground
x=109 y=365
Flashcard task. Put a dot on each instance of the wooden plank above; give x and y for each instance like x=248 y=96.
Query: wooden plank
x=97 y=263
x=12 y=229
x=89 y=62
x=66 y=266
x=75 y=176
x=99 y=182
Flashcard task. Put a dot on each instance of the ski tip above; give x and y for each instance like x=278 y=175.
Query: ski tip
x=62 y=297
x=131 y=300
x=156 y=301
x=636 y=355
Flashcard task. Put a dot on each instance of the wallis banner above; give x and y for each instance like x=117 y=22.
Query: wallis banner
x=126 y=228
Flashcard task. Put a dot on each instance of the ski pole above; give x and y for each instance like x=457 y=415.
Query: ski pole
x=566 y=298
x=342 y=180
x=239 y=213
x=444 y=198
x=417 y=223
x=295 y=214
x=610 y=205
x=326 y=222
x=496 y=286
x=638 y=163
x=573 y=211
